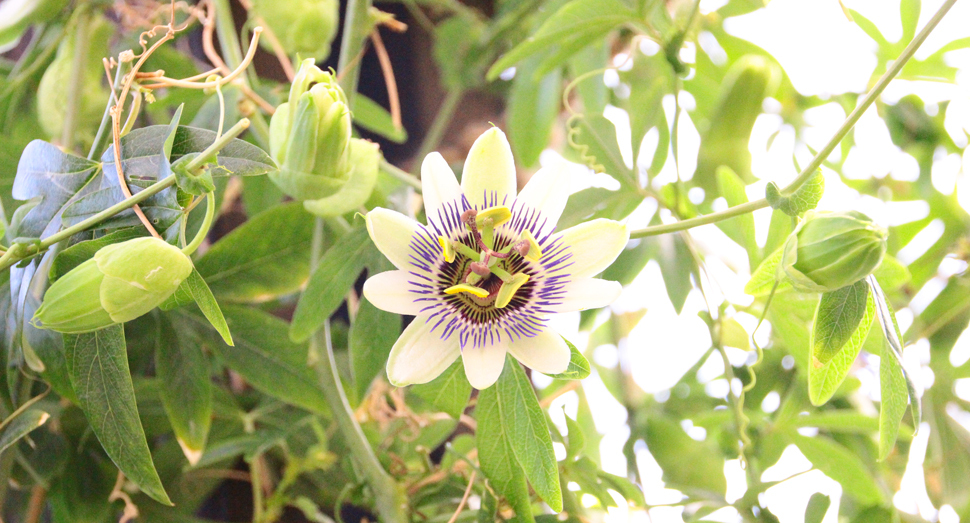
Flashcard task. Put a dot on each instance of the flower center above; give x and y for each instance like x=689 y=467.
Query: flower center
x=489 y=268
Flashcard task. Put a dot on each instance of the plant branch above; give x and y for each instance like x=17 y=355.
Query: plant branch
x=401 y=174
x=19 y=251
x=822 y=154
x=77 y=73
x=356 y=28
x=389 y=497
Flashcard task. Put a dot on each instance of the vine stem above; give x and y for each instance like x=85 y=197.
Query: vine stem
x=822 y=154
x=389 y=497
x=19 y=251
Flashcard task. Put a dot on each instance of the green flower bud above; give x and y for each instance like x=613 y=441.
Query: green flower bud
x=120 y=283
x=305 y=27
x=52 y=92
x=310 y=136
x=828 y=251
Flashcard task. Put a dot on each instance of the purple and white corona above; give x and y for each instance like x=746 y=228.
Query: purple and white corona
x=488 y=269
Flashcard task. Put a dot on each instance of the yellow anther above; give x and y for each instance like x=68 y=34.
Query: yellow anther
x=447 y=248
x=507 y=291
x=535 y=252
x=499 y=215
x=478 y=292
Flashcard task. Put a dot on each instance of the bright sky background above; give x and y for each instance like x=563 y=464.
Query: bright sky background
x=823 y=54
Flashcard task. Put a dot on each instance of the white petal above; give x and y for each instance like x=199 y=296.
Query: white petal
x=390 y=291
x=420 y=355
x=438 y=186
x=594 y=246
x=483 y=365
x=489 y=169
x=585 y=293
x=546 y=352
x=392 y=232
x=546 y=192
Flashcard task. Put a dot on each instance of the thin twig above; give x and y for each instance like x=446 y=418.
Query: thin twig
x=131 y=510
x=464 y=498
x=388 y=70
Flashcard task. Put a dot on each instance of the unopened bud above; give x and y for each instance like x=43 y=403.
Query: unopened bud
x=828 y=251
x=120 y=283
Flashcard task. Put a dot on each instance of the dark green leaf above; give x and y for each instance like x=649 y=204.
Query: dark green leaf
x=269 y=361
x=185 y=388
x=16 y=427
x=195 y=290
x=329 y=283
x=53 y=178
x=449 y=392
x=195 y=183
x=578 y=365
x=98 y=365
x=801 y=200
x=597 y=202
x=495 y=454
x=372 y=335
x=268 y=256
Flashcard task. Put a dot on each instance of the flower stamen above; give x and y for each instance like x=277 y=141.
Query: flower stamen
x=508 y=289
x=477 y=292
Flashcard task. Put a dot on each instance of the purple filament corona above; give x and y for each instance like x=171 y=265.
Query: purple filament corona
x=475 y=323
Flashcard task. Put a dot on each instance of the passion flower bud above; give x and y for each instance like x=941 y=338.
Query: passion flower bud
x=305 y=27
x=120 y=283
x=828 y=251
x=310 y=136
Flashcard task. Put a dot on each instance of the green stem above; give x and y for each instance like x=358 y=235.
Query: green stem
x=74 y=91
x=821 y=155
x=210 y=212
x=357 y=25
x=18 y=252
x=438 y=127
x=389 y=497
x=101 y=139
x=401 y=174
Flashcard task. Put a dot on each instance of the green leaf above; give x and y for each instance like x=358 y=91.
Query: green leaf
x=578 y=368
x=891 y=273
x=597 y=202
x=50 y=179
x=740 y=228
x=523 y=426
x=495 y=454
x=449 y=392
x=628 y=490
x=199 y=292
x=576 y=440
x=650 y=79
x=824 y=377
x=837 y=318
x=817 y=506
x=734 y=335
x=576 y=25
x=269 y=361
x=895 y=385
x=803 y=199
x=686 y=463
x=372 y=335
x=594 y=139
x=842 y=465
x=16 y=427
x=329 y=283
x=766 y=275
x=533 y=106
x=83 y=251
x=371 y=116
x=239 y=157
x=184 y=386
x=266 y=257
x=676 y=266
x=98 y=366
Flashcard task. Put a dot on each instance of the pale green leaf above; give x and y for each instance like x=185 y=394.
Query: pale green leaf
x=842 y=465
x=184 y=386
x=802 y=199
x=824 y=377
x=449 y=392
x=765 y=276
x=372 y=335
x=371 y=116
x=578 y=367
x=836 y=319
x=686 y=463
